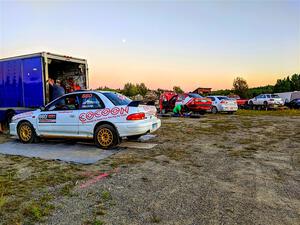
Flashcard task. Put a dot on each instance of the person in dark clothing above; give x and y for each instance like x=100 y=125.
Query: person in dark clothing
x=55 y=89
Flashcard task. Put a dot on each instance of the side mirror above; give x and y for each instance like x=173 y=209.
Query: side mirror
x=42 y=108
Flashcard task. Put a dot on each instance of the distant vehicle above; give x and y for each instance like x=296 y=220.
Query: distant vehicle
x=103 y=116
x=23 y=80
x=266 y=100
x=192 y=102
x=223 y=104
x=288 y=96
x=242 y=103
x=294 y=104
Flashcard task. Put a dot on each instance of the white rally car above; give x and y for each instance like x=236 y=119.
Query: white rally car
x=223 y=104
x=105 y=117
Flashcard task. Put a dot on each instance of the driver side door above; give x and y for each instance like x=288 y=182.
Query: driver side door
x=60 y=118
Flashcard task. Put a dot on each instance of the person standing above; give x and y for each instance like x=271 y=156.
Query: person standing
x=55 y=89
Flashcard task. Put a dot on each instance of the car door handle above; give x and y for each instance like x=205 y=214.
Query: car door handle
x=72 y=116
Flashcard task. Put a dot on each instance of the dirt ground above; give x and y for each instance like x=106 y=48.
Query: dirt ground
x=219 y=169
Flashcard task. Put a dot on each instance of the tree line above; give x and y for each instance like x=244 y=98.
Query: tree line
x=239 y=87
x=131 y=90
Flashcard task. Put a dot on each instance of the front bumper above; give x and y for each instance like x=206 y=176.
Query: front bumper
x=13 y=129
x=131 y=128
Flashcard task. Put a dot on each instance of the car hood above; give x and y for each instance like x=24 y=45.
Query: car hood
x=25 y=115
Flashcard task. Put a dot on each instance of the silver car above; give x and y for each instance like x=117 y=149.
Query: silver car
x=266 y=100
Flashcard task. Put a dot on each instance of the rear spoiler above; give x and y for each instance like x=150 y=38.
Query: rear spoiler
x=134 y=103
x=137 y=103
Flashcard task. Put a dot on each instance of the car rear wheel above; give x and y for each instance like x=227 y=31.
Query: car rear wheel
x=26 y=133
x=106 y=136
x=214 y=110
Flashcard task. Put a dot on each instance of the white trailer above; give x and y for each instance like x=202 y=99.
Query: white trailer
x=289 y=96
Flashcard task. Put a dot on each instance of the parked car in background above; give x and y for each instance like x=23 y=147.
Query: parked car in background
x=242 y=103
x=105 y=117
x=223 y=104
x=294 y=104
x=165 y=101
x=266 y=100
x=192 y=102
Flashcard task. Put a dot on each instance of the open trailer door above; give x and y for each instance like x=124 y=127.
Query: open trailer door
x=72 y=73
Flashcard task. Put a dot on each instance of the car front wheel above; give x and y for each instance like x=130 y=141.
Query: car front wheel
x=26 y=133
x=214 y=110
x=106 y=136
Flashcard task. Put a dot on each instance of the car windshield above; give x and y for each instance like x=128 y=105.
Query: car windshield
x=194 y=95
x=275 y=96
x=117 y=99
x=223 y=98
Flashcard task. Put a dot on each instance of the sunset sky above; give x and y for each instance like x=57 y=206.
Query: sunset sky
x=161 y=43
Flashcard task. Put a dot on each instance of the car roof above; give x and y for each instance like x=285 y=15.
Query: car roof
x=90 y=91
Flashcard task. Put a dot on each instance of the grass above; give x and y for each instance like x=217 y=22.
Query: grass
x=94 y=222
x=23 y=197
x=98 y=222
x=2 y=200
x=286 y=112
x=155 y=219
x=3 y=138
x=125 y=159
x=106 y=195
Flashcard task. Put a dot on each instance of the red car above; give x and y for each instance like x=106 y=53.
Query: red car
x=191 y=102
x=242 y=103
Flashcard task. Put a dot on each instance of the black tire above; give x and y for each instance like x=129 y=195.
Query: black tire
x=26 y=133
x=214 y=110
x=134 y=137
x=106 y=136
x=251 y=105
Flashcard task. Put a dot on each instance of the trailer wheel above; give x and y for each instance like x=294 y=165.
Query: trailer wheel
x=106 y=136
x=26 y=133
x=8 y=116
